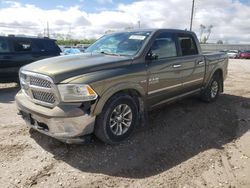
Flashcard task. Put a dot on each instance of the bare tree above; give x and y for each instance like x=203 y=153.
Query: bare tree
x=202 y=29
x=207 y=31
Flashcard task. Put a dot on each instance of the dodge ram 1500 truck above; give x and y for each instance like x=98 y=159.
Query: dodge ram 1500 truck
x=109 y=89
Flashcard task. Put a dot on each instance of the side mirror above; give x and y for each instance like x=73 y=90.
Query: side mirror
x=151 y=56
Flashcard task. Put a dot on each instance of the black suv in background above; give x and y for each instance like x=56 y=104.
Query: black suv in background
x=18 y=51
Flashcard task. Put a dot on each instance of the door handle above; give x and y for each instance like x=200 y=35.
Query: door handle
x=176 y=66
x=200 y=62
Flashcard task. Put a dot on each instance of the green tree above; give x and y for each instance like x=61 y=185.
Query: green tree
x=219 y=42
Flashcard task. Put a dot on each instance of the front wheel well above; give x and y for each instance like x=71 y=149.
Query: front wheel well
x=136 y=96
x=111 y=120
x=132 y=93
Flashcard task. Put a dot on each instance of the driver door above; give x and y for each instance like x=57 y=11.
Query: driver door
x=164 y=69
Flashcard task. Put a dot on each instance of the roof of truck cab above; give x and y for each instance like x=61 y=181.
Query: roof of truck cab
x=156 y=30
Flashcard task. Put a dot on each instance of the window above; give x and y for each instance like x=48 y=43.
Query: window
x=124 y=44
x=22 y=46
x=4 y=47
x=46 y=45
x=164 y=46
x=188 y=46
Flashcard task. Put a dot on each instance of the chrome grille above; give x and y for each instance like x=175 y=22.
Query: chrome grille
x=44 y=96
x=39 y=82
x=39 y=88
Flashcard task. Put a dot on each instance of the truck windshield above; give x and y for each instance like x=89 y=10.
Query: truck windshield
x=124 y=44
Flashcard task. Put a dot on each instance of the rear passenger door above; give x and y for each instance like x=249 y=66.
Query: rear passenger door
x=193 y=63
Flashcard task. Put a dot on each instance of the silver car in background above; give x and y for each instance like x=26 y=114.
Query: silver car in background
x=233 y=54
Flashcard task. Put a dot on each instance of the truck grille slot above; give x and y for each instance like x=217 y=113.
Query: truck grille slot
x=44 y=96
x=39 y=88
x=39 y=82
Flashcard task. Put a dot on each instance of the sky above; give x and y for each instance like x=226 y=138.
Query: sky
x=92 y=18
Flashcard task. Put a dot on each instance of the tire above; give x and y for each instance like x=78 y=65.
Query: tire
x=213 y=90
x=117 y=119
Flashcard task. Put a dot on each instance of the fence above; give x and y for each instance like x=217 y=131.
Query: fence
x=219 y=47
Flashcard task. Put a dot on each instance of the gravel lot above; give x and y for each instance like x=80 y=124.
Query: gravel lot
x=186 y=144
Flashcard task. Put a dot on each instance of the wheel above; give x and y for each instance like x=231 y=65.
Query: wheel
x=117 y=120
x=213 y=90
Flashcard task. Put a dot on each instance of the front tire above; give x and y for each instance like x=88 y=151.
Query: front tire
x=117 y=119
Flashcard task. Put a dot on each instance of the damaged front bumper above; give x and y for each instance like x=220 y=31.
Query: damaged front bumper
x=67 y=122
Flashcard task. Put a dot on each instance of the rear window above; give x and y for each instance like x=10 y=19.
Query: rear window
x=47 y=45
x=4 y=45
x=233 y=51
x=188 y=46
x=22 y=45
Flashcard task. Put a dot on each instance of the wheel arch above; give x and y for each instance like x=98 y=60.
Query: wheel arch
x=133 y=90
x=219 y=72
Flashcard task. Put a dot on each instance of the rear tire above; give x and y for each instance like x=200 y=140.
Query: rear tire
x=213 y=90
x=117 y=119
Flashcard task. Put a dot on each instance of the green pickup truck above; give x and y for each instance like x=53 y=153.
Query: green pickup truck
x=108 y=90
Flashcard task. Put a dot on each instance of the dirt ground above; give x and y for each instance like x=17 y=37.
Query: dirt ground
x=186 y=144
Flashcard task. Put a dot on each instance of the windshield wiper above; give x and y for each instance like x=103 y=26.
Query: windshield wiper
x=106 y=53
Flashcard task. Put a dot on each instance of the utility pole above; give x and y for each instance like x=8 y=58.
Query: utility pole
x=139 y=24
x=192 y=16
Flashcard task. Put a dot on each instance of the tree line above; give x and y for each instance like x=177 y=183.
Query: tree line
x=74 y=42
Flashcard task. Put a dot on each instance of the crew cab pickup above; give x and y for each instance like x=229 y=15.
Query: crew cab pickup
x=109 y=89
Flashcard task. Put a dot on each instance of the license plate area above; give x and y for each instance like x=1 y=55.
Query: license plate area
x=27 y=117
x=36 y=124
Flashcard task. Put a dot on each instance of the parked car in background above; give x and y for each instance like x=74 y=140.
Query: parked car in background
x=16 y=52
x=244 y=55
x=82 y=47
x=224 y=51
x=233 y=54
x=70 y=51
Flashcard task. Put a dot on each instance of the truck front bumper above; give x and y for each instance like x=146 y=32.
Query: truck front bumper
x=67 y=122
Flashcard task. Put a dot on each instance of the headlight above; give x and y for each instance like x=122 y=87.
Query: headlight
x=76 y=92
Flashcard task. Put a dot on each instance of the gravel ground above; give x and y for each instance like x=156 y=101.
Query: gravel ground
x=186 y=144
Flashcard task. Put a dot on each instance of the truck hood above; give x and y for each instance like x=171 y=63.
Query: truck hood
x=64 y=67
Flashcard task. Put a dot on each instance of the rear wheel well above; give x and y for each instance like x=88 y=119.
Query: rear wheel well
x=219 y=73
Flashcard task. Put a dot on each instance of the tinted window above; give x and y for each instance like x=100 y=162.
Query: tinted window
x=4 y=46
x=188 y=46
x=22 y=45
x=164 y=46
x=47 y=45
